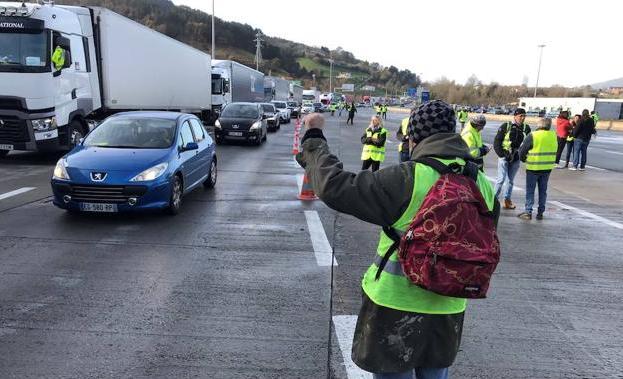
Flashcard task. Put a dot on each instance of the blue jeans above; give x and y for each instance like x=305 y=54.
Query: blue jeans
x=579 y=147
x=420 y=373
x=534 y=178
x=506 y=170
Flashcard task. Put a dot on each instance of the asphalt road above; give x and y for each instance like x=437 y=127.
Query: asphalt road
x=239 y=284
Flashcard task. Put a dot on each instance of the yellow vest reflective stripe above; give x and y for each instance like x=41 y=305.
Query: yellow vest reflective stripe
x=393 y=289
x=473 y=139
x=404 y=128
x=542 y=156
x=373 y=152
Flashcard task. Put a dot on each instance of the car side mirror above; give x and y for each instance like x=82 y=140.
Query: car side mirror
x=190 y=146
x=80 y=141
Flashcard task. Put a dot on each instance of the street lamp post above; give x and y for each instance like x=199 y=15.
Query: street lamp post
x=538 y=72
x=330 y=75
x=213 y=53
x=314 y=80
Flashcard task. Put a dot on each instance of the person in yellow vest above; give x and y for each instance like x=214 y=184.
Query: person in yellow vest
x=402 y=330
x=403 y=137
x=472 y=137
x=377 y=109
x=373 y=141
x=58 y=58
x=538 y=151
x=384 y=111
x=462 y=116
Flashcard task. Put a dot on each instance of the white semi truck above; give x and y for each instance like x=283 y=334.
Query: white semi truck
x=296 y=93
x=235 y=82
x=276 y=89
x=112 y=64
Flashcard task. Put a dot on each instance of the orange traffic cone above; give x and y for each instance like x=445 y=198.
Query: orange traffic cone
x=295 y=145
x=307 y=192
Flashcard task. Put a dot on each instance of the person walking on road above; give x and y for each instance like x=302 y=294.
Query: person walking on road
x=462 y=116
x=582 y=136
x=373 y=141
x=471 y=134
x=538 y=150
x=351 y=113
x=402 y=329
x=563 y=131
x=571 y=140
x=506 y=144
x=403 y=137
x=384 y=111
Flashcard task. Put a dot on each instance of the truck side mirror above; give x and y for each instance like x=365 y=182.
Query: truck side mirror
x=225 y=85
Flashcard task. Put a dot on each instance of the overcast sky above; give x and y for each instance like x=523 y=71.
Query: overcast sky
x=495 y=40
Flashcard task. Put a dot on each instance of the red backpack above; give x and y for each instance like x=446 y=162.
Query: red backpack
x=451 y=247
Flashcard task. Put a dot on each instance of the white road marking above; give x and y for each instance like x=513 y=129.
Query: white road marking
x=322 y=248
x=587 y=214
x=16 y=192
x=587 y=166
x=344 y=329
x=613 y=152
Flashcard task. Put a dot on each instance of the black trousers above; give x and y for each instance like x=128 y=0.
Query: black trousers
x=351 y=117
x=561 y=146
x=370 y=163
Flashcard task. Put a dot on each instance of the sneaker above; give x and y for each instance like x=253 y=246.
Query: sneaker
x=561 y=166
x=573 y=168
x=508 y=204
x=582 y=169
x=539 y=216
x=525 y=216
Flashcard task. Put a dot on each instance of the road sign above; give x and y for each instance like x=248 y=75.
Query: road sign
x=412 y=92
x=425 y=96
x=348 y=87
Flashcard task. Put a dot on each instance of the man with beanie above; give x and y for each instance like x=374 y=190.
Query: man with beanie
x=506 y=144
x=471 y=134
x=538 y=151
x=402 y=329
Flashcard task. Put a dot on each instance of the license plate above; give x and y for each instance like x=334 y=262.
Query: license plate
x=6 y=147
x=98 y=207
x=235 y=134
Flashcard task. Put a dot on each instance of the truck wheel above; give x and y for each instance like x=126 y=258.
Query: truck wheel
x=75 y=133
x=3 y=153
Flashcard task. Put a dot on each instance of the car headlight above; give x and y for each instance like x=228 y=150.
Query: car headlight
x=44 y=124
x=256 y=125
x=151 y=173
x=60 y=171
x=217 y=124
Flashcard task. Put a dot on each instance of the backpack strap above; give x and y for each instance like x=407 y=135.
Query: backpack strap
x=393 y=234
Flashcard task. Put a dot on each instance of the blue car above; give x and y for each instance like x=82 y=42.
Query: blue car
x=136 y=161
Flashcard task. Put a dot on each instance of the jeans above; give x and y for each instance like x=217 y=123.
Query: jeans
x=562 y=141
x=506 y=170
x=579 y=147
x=534 y=178
x=569 y=151
x=420 y=373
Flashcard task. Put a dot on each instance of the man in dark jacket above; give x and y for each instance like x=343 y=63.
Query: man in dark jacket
x=582 y=133
x=506 y=144
x=401 y=327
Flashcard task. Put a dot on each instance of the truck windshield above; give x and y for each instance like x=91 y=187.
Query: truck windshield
x=217 y=86
x=133 y=133
x=309 y=97
x=25 y=52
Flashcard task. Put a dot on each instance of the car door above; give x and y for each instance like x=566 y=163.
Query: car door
x=189 y=160
x=205 y=148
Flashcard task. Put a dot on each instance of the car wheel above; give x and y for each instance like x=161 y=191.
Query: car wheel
x=210 y=182
x=76 y=133
x=3 y=153
x=175 y=201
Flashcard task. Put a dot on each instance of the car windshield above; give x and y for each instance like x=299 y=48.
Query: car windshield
x=25 y=52
x=292 y=104
x=317 y=104
x=240 y=111
x=268 y=108
x=130 y=132
x=280 y=105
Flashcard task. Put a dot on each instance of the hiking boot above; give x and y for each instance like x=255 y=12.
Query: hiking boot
x=525 y=216
x=539 y=216
x=508 y=204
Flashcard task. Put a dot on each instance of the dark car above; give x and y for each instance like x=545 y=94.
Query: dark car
x=241 y=122
x=318 y=107
x=273 y=121
x=136 y=161
x=295 y=108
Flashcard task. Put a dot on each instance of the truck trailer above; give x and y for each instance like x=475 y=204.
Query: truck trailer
x=276 y=89
x=296 y=93
x=111 y=64
x=235 y=82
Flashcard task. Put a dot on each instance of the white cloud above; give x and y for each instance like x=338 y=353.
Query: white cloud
x=495 y=40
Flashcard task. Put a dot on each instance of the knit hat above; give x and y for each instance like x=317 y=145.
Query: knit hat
x=519 y=111
x=431 y=118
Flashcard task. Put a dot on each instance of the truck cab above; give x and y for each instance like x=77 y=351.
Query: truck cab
x=43 y=104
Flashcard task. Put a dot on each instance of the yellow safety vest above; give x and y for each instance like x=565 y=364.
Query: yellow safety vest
x=542 y=156
x=506 y=144
x=373 y=152
x=393 y=289
x=463 y=116
x=473 y=139
x=404 y=128
x=58 y=58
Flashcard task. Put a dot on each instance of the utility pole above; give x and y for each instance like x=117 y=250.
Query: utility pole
x=538 y=72
x=258 y=50
x=314 y=81
x=213 y=51
x=330 y=72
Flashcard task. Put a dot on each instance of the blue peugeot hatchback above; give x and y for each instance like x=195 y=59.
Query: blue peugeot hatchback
x=136 y=161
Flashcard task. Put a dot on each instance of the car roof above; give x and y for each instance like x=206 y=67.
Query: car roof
x=153 y=114
x=267 y=104
x=244 y=103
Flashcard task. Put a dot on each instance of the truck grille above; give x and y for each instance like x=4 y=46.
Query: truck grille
x=106 y=194
x=13 y=130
